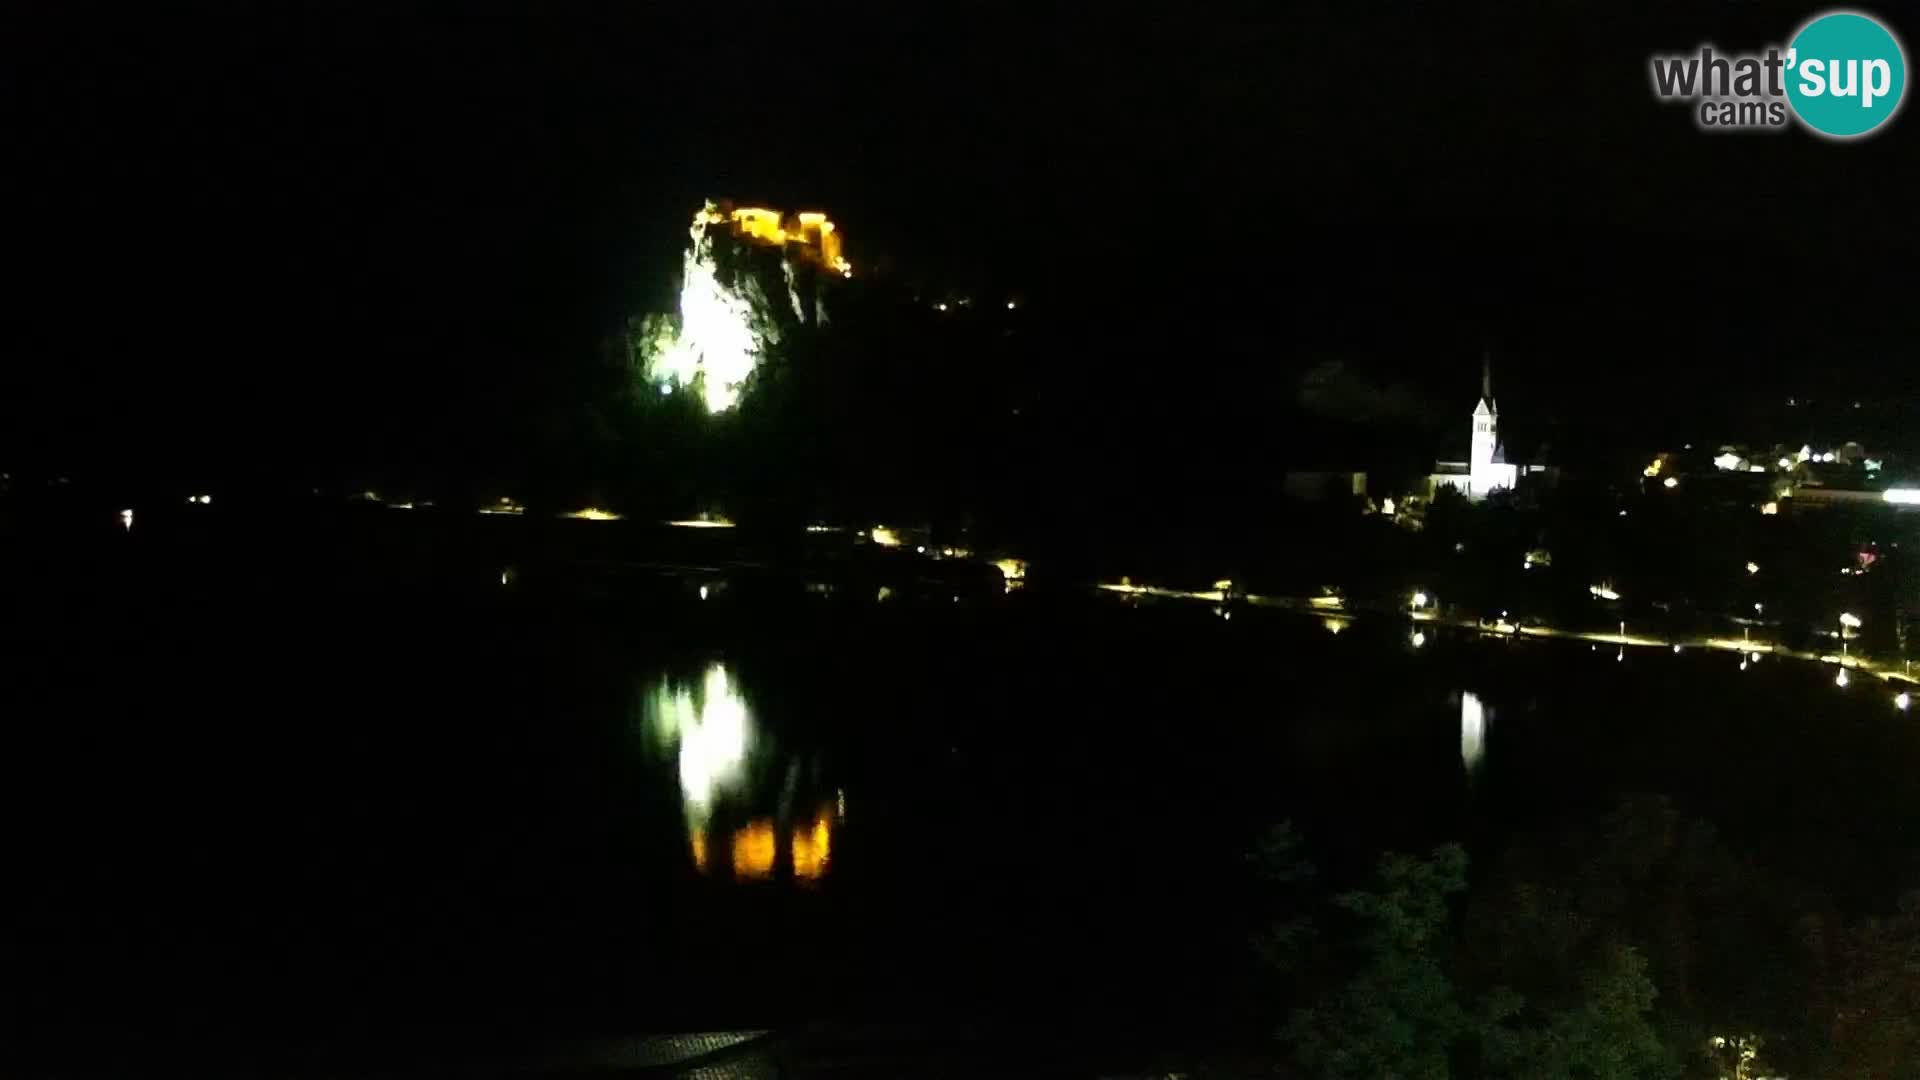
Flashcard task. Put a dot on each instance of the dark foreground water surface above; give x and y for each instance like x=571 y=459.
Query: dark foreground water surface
x=292 y=787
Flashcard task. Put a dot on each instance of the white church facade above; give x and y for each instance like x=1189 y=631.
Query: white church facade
x=1486 y=469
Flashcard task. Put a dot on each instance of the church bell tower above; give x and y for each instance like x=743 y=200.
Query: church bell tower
x=1486 y=419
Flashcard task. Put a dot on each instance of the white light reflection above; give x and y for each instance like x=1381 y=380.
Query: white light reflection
x=1473 y=731
x=126 y=520
x=713 y=731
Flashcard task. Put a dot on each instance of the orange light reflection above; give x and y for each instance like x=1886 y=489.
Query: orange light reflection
x=754 y=848
x=811 y=848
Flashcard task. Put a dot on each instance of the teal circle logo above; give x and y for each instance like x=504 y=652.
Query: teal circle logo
x=1845 y=74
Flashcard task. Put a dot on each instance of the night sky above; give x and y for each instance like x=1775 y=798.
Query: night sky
x=284 y=229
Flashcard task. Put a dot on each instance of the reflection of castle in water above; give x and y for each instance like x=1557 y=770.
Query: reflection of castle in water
x=711 y=734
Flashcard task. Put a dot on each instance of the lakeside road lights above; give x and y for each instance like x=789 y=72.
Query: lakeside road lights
x=1420 y=600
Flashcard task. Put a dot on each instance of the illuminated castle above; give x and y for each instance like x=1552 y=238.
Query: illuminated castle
x=730 y=311
x=810 y=238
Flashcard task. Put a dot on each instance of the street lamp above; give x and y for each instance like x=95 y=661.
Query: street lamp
x=1848 y=621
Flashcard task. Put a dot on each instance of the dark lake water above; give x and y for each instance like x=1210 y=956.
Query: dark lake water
x=324 y=794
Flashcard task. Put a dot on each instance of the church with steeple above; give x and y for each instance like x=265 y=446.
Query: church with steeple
x=1486 y=469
